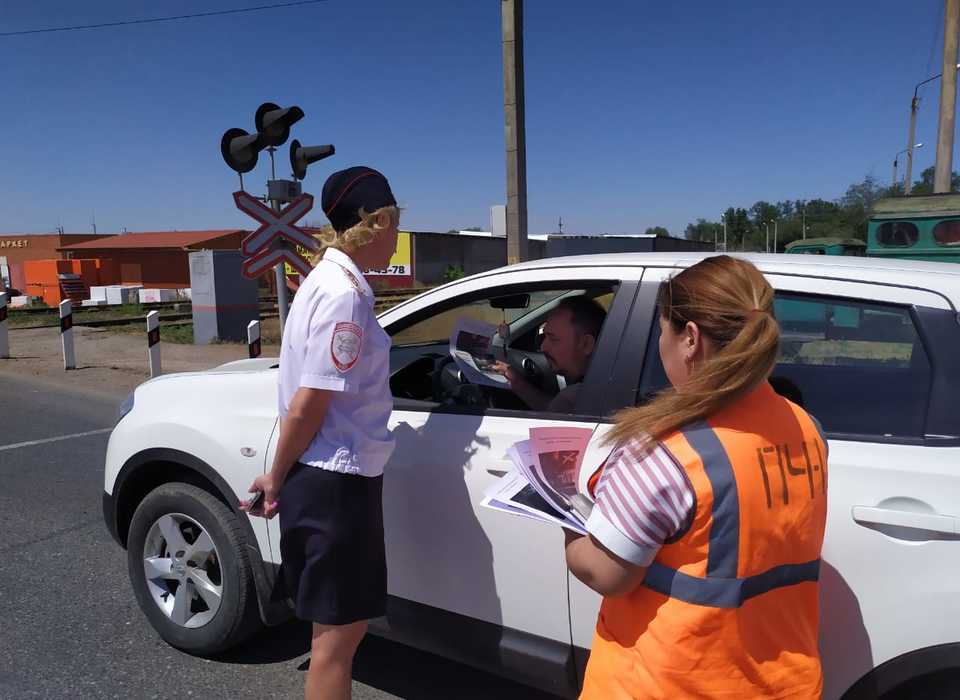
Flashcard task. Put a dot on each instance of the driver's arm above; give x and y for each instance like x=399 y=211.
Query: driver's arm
x=535 y=398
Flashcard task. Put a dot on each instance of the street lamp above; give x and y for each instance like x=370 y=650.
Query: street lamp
x=896 y=157
x=774 y=222
x=766 y=247
x=914 y=106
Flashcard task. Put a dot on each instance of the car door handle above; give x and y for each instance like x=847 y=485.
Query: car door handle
x=497 y=472
x=931 y=522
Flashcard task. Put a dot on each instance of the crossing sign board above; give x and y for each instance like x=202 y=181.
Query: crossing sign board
x=274 y=242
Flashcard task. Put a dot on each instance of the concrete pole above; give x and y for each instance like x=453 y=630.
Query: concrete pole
x=914 y=104
x=4 y=334
x=767 y=246
x=893 y=182
x=724 y=232
x=153 y=343
x=281 y=276
x=511 y=12
x=948 y=98
x=66 y=335
x=774 y=235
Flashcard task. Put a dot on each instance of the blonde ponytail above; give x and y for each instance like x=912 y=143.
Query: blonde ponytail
x=358 y=235
x=732 y=304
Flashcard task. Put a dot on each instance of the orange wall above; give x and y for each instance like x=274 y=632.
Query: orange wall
x=42 y=279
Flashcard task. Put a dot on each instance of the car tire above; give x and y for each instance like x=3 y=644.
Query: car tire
x=940 y=685
x=189 y=570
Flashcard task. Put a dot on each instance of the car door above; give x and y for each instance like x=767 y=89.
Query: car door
x=865 y=362
x=873 y=362
x=469 y=569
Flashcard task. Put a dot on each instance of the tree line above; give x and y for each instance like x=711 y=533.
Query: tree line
x=845 y=217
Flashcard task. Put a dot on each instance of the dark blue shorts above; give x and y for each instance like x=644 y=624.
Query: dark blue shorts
x=334 y=565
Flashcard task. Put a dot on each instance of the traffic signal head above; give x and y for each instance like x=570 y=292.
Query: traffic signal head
x=240 y=149
x=274 y=122
x=302 y=156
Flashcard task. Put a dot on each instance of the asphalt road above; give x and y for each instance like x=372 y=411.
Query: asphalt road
x=69 y=624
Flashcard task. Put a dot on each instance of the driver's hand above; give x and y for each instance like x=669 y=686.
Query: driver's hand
x=513 y=377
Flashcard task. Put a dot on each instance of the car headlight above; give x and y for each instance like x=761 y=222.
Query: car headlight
x=125 y=407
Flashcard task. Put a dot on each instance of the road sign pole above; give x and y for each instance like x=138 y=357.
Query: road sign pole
x=4 y=336
x=66 y=335
x=253 y=339
x=153 y=343
x=282 y=303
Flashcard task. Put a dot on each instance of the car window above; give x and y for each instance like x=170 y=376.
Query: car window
x=859 y=367
x=437 y=328
x=423 y=370
x=947 y=232
x=897 y=234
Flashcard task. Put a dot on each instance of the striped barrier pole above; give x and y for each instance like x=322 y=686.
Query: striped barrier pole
x=253 y=339
x=4 y=335
x=66 y=335
x=153 y=342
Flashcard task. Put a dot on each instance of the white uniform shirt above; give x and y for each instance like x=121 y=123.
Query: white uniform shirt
x=333 y=341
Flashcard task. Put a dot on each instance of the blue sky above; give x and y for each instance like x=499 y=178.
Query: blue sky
x=639 y=113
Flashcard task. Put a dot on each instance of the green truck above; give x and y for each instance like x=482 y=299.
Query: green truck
x=918 y=227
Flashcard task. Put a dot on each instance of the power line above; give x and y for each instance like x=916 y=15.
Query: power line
x=124 y=23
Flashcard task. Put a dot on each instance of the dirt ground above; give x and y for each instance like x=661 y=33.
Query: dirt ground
x=108 y=363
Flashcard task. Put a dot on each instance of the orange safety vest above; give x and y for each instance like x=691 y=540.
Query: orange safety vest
x=729 y=608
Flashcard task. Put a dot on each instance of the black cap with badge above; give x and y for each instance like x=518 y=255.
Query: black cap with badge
x=348 y=191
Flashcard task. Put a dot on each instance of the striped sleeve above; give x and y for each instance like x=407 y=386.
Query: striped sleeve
x=643 y=499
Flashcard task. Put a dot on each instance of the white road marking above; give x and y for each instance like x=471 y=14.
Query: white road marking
x=30 y=443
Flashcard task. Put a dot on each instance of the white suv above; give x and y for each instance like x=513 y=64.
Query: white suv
x=872 y=348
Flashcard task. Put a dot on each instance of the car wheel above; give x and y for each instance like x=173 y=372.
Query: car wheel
x=191 y=577
x=941 y=685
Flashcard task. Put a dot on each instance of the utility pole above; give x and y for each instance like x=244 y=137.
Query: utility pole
x=803 y=224
x=511 y=12
x=914 y=105
x=724 y=217
x=948 y=98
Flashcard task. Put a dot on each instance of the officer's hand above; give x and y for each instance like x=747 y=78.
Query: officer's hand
x=268 y=506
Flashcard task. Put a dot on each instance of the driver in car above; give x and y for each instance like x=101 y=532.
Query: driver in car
x=569 y=339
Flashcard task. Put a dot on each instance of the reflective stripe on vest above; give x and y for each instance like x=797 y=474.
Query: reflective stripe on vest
x=726 y=592
x=721 y=588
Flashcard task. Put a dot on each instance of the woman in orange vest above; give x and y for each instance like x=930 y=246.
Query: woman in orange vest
x=708 y=519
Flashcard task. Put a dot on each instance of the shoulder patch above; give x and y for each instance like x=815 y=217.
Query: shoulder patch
x=354 y=281
x=345 y=345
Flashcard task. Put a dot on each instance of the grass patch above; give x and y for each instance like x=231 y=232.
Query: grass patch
x=845 y=352
x=180 y=333
x=21 y=319
x=18 y=319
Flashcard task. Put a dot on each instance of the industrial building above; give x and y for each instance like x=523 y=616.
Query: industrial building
x=155 y=259
x=18 y=248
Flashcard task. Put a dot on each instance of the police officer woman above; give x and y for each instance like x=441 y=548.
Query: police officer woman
x=334 y=399
x=709 y=514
